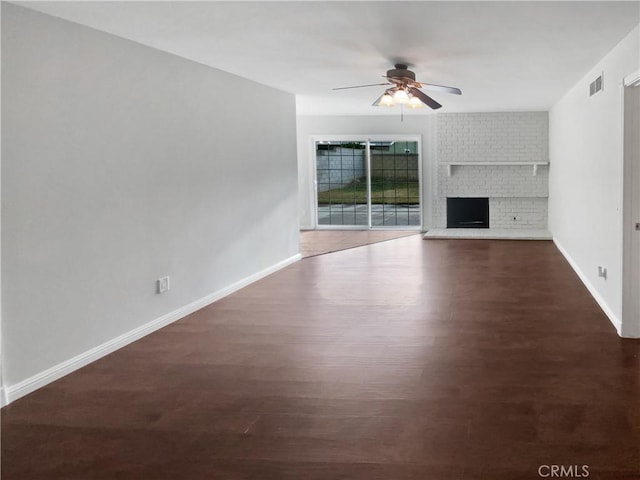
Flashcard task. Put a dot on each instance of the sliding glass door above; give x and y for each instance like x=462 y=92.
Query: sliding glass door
x=372 y=183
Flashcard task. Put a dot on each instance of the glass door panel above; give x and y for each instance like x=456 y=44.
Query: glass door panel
x=341 y=178
x=395 y=184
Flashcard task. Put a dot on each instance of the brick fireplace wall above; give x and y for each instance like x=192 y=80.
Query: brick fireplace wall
x=517 y=197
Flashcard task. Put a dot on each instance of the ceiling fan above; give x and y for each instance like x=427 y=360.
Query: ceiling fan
x=405 y=89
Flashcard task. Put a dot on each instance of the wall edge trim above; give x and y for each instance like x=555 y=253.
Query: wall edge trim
x=632 y=80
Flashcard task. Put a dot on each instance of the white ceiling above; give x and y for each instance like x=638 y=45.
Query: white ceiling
x=505 y=56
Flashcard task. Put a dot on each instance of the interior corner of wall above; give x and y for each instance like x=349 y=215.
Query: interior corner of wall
x=629 y=332
x=4 y=399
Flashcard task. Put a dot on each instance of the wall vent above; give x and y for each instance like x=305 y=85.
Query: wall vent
x=596 y=86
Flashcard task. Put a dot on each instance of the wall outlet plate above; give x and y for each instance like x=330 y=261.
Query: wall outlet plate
x=162 y=285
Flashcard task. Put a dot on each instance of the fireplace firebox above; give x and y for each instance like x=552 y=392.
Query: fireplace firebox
x=467 y=212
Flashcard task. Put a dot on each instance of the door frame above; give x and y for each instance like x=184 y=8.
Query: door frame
x=630 y=321
x=313 y=197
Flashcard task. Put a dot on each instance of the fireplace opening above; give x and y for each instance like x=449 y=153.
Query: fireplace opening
x=467 y=212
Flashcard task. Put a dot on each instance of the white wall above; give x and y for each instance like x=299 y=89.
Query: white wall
x=307 y=126
x=585 y=149
x=122 y=164
x=3 y=398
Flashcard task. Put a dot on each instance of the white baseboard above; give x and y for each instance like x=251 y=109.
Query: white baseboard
x=592 y=290
x=13 y=392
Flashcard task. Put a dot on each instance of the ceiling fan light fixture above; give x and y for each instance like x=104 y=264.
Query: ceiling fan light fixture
x=401 y=97
x=387 y=100
x=414 y=102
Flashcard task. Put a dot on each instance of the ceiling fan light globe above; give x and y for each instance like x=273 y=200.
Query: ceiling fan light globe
x=401 y=97
x=387 y=100
x=414 y=102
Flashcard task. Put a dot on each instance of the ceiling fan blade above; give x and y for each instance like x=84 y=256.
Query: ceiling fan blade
x=360 y=86
x=441 y=88
x=377 y=102
x=424 y=98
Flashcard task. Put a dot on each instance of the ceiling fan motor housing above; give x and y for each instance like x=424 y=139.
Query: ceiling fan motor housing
x=401 y=72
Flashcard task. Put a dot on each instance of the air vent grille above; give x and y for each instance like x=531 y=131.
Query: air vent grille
x=596 y=86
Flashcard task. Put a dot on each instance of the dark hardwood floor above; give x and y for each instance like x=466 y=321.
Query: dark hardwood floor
x=407 y=359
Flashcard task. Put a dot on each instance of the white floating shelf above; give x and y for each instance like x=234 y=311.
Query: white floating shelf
x=534 y=165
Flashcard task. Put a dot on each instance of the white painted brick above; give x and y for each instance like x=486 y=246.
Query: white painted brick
x=495 y=137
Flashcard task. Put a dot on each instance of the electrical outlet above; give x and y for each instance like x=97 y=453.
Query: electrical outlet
x=602 y=272
x=162 y=285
